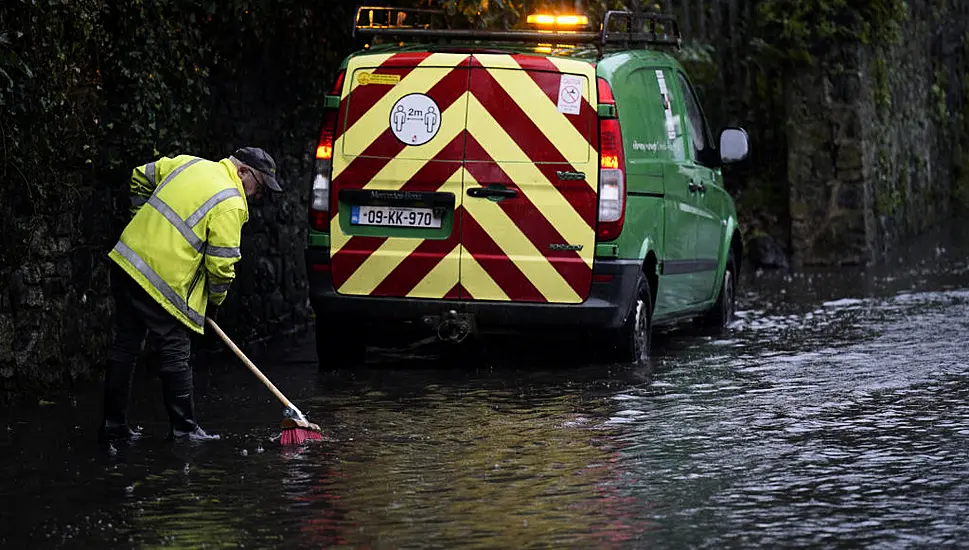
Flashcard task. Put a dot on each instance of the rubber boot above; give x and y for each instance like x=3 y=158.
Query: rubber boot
x=178 y=394
x=117 y=389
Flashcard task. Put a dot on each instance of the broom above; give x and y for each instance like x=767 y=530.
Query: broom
x=295 y=427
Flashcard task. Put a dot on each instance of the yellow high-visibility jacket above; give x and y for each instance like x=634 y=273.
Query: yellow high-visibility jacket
x=182 y=242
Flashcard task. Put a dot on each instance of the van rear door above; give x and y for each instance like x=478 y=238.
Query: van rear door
x=530 y=184
x=397 y=176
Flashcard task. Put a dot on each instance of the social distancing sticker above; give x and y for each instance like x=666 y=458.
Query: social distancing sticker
x=415 y=119
x=570 y=94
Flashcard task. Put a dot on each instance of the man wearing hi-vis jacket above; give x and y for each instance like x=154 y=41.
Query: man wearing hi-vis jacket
x=174 y=260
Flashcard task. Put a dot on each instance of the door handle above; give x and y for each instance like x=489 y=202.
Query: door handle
x=490 y=192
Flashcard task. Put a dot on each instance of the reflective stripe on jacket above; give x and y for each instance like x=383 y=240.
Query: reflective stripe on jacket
x=183 y=241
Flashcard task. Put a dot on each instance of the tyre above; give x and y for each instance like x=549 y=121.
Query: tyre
x=338 y=346
x=632 y=341
x=722 y=312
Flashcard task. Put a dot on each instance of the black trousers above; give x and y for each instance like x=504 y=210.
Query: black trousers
x=138 y=315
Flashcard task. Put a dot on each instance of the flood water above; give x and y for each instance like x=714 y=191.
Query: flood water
x=834 y=412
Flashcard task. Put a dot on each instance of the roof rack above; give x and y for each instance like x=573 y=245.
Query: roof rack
x=644 y=28
x=374 y=19
x=619 y=28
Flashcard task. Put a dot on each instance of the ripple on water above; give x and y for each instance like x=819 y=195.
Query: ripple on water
x=859 y=437
x=825 y=416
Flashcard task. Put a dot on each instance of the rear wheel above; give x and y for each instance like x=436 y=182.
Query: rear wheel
x=338 y=346
x=722 y=312
x=632 y=341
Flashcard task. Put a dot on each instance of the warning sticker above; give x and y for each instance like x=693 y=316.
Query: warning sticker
x=570 y=94
x=370 y=78
x=415 y=119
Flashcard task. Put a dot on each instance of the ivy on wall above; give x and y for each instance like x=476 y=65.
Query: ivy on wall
x=90 y=88
x=797 y=30
x=49 y=105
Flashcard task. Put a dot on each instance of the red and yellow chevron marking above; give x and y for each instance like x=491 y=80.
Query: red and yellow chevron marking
x=441 y=76
x=573 y=267
x=499 y=125
x=514 y=246
x=497 y=117
x=572 y=213
x=366 y=96
x=373 y=158
x=388 y=266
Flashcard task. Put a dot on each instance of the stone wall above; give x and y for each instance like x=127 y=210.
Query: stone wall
x=826 y=167
x=265 y=90
x=55 y=306
x=873 y=139
x=912 y=141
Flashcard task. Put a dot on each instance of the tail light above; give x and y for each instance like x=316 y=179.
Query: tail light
x=337 y=88
x=612 y=171
x=320 y=193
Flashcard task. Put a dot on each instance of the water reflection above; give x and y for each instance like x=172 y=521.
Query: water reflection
x=835 y=411
x=469 y=467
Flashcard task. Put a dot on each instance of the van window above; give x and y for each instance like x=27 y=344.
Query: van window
x=699 y=133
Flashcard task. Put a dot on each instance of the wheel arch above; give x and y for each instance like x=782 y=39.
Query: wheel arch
x=737 y=247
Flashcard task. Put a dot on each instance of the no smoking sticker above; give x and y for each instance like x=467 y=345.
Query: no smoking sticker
x=415 y=119
x=570 y=94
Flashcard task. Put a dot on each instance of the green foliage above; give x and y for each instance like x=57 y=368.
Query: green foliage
x=510 y=14
x=796 y=30
x=484 y=14
x=90 y=88
x=49 y=90
x=961 y=188
x=889 y=188
x=883 y=94
x=939 y=83
x=159 y=89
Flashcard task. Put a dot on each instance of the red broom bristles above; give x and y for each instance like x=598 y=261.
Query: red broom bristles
x=297 y=436
x=296 y=429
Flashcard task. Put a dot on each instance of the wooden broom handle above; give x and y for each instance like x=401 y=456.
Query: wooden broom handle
x=272 y=387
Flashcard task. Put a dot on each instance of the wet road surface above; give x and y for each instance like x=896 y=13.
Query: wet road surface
x=834 y=412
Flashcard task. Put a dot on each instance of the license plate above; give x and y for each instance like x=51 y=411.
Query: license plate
x=396 y=216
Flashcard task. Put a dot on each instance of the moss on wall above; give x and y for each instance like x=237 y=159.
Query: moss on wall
x=960 y=189
x=940 y=106
x=883 y=94
x=800 y=30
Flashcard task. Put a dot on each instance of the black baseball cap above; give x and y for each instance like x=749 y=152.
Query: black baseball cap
x=260 y=161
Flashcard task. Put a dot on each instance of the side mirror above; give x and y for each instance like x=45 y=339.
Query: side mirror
x=734 y=146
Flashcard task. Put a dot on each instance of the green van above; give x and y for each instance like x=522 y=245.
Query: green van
x=471 y=181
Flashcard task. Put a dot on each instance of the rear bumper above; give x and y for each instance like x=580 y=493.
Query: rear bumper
x=606 y=306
